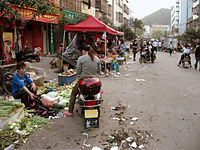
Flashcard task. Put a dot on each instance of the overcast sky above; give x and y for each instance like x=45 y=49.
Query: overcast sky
x=142 y=8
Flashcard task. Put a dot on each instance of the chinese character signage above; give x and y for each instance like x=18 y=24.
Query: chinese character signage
x=69 y=14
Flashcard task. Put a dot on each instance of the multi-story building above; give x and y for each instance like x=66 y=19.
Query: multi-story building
x=126 y=11
x=88 y=7
x=164 y=28
x=181 y=17
x=189 y=14
x=101 y=8
x=118 y=12
x=185 y=15
x=71 y=5
x=79 y=6
x=121 y=12
x=110 y=10
x=196 y=13
x=175 y=10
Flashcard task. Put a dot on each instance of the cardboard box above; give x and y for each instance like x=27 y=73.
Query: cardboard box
x=17 y=114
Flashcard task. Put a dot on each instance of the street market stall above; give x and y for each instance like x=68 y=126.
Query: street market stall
x=92 y=24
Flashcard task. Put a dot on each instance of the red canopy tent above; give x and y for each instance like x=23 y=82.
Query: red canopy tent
x=92 y=24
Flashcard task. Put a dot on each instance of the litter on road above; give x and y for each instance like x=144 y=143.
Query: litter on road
x=96 y=148
x=133 y=145
x=134 y=118
x=138 y=80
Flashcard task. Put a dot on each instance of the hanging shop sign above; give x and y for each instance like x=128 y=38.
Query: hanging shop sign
x=69 y=14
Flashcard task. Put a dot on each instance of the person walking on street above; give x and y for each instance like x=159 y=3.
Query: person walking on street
x=135 y=46
x=197 y=56
x=122 y=48
x=155 y=45
x=163 y=45
x=171 y=47
x=159 y=46
x=87 y=65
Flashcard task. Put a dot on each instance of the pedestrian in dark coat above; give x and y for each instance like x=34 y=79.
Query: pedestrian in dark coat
x=135 y=46
x=197 y=56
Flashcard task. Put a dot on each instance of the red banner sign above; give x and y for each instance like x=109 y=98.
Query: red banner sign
x=28 y=15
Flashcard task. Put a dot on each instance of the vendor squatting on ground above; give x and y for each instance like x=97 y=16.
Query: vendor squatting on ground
x=22 y=86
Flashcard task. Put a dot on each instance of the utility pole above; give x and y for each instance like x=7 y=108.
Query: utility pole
x=123 y=16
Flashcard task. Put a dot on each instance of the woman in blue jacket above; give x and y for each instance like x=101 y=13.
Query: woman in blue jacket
x=22 y=86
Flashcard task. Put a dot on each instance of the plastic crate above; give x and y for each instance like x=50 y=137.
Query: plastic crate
x=66 y=79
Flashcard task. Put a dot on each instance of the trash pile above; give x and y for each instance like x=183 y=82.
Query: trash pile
x=125 y=137
x=129 y=139
x=134 y=139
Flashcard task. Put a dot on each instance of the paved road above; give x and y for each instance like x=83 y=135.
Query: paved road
x=166 y=103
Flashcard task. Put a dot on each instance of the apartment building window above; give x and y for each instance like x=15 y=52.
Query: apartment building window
x=126 y=10
x=117 y=16
x=120 y=3
x=120 y=17
x=109 y=10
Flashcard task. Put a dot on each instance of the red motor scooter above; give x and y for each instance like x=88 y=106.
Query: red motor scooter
x=90 y=100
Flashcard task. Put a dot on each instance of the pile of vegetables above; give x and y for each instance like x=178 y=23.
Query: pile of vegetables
x=57 y=94
x=8 y=107
x=19 y=131
x=46 y=87
x=52 y=95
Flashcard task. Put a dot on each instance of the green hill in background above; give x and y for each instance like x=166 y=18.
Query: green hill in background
x=162 y=16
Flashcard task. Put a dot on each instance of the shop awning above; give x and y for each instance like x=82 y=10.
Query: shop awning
x=27 y=14
x=92 y=24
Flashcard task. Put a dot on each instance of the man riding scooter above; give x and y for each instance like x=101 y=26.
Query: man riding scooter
x=186 y=53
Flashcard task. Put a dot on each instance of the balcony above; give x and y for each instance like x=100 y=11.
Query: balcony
x=195 y=4
x=195 y=17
